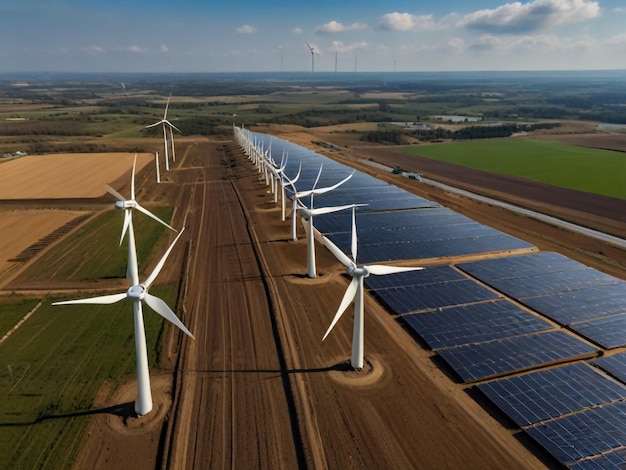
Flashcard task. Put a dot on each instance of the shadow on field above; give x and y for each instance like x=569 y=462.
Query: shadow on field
x=342 y=366
x=123 y=410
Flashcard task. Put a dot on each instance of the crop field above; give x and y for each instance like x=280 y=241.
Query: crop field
x=52 y=367
x=81 y=257
x=555 y=163
x=11 y=313
x=21 y=229
x=76 y=175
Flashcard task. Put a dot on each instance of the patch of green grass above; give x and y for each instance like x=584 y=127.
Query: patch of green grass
x=93 y=251
x=13 y=311
x=51 y=369
x=559 y=164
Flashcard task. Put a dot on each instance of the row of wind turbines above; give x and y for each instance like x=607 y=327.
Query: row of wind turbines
x=138 y=293
x=274 y=175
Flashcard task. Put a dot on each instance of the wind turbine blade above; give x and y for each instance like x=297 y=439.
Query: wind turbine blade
x=101 y=300
x=347 y=298
x=324 y=210
x=127 y=216
x=340 y=255
x=173 y=126
x=334 y=186
x=167 y=105
x=379 y=270
x=153 y=125
x=319 y=173
x=161 y=263
x=160 y=307
x=150 y=214
x=113 y=192
x=354 y=244
x=132 y=180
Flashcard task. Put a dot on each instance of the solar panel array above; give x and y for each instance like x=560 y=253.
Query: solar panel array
x=528 y=327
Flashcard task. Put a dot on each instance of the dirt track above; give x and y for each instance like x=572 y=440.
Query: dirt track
x=258 y=388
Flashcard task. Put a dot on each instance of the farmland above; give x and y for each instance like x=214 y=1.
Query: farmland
x=256 y=383
x=555 y=163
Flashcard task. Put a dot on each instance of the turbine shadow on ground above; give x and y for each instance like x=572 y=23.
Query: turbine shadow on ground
x=343 y=366
x=122 y=410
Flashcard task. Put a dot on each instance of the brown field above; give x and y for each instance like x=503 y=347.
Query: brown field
x=58 y=176
x=21 y=229
x=258 y=389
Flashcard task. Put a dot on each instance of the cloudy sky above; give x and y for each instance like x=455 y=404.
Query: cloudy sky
x=248 y=35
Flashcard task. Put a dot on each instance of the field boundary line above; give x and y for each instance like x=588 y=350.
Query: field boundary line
x=19 y=323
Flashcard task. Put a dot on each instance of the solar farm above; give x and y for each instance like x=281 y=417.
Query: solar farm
x=538 y=334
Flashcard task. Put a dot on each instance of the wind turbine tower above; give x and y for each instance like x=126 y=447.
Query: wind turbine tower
x=312 y=49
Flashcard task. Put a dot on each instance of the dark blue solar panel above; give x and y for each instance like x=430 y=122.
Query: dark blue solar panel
x=584 y=434
x=614 y=365
x=527 y=265
x=413 y=298
x=552 y=283
x=546 y=394
x=481 y=361
x=613 y=460
x=428 y=276
x=582 y=304
x=608 y=332
x=473 y=323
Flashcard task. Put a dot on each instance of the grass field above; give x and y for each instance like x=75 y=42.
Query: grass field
x=51 y=369
x=12 y=312
x=93 y=251
x=585 y=169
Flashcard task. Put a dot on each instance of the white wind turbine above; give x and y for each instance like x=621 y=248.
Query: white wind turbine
x=297 y=195
x=166 y=124
x=355 y=291
x=312 y=49
x=138 y=293
x=310 y=232
x=127 y=205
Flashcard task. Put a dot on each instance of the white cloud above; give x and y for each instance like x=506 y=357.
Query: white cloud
x=619 y=40
x=297 y=30
x=516 y=17
x=619 y=10
x=406 y=22
x=338 y=46
x=164 y=48
x=93 y=49
x=336 y=27
x=246 y=29
x=136 y=50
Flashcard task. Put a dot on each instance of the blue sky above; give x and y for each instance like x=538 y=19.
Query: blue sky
x=244 y=36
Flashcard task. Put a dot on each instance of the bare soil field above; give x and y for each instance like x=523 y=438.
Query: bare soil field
x=57 y=176
x=22 y=229
x=257 y=387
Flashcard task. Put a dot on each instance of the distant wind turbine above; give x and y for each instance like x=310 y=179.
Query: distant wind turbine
x=166 y=124
x=312 y=49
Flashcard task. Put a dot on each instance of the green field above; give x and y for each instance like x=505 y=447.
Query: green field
x=568 y=166
x=51 y=369
x=93 y=251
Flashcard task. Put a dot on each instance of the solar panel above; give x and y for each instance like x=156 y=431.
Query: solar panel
x=551 y=283
x=582 y=304
x=612 y=460
x=546 y=394
x=423 y=277
x=484 y=360
x=584 y=434
x=420 y=297
x=614 y=365
x=608 y=332
x=532 y=264
x=473 y=323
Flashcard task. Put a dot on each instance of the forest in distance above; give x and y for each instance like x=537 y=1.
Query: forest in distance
x=38 y=108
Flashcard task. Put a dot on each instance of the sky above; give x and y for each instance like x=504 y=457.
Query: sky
x=347 y=35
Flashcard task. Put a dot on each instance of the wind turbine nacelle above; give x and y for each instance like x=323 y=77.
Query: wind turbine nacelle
x=136 y=292
x=123 y=205
x=355 y=271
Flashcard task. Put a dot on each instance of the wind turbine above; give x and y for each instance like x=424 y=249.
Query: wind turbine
x=137 y=293
x=312 y=49
x=355 y=291
x=308 y=214
x=166 y=124
x=127 y=205
x=311 y=192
